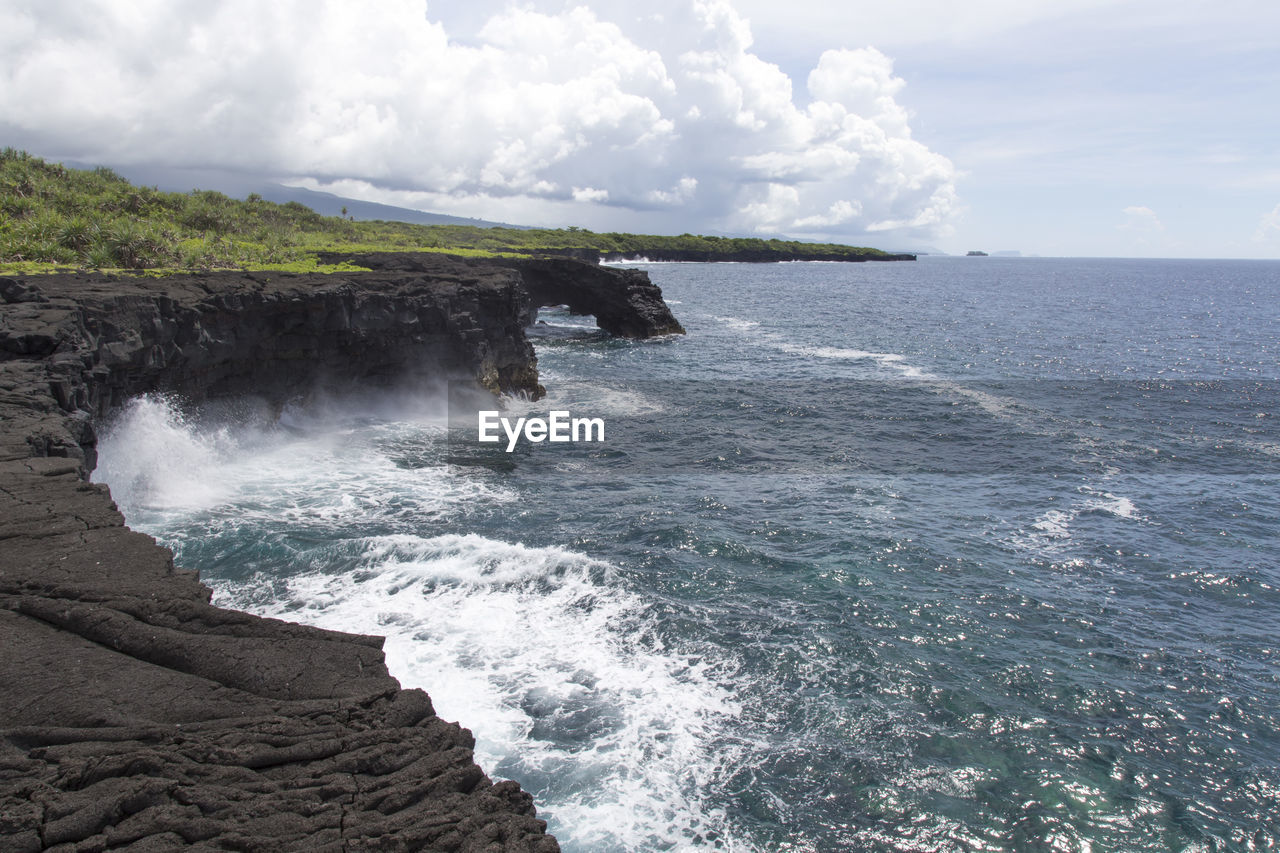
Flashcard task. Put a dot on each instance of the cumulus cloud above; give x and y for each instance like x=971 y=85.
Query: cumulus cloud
x=561 y=115
x=1143 y=233
x=590 y=194
x=1269 y=227
x=1141 y=221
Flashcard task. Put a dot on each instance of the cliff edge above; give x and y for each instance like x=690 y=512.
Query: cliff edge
x=134 y=715
x=624 y=302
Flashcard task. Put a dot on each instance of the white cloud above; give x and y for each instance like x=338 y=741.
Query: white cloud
x=1269 y=227
x=590 y=194
x=1142 y=233
x=1141 y=221
x=839 y=213
x=682 y=191
x=571 y=115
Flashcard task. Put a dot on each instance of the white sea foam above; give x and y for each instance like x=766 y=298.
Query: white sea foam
x=162 y=466
x=1051 y=533
x=560 y=317
x=738 y=323
x=1050 y=530
x=1117 y=505
x=552 y=660
x=154 y=457
x=555 y=667
x=891 y=361
x=588 y=324
x=990 y=403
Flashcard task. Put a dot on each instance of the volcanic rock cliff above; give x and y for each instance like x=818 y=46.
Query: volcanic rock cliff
x=624 y=302
x=134 y=715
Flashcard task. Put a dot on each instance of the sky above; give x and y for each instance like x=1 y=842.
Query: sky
x=1128 y=128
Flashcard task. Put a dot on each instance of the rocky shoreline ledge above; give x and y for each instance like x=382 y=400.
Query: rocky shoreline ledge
x=134 y=715
x=657 y=254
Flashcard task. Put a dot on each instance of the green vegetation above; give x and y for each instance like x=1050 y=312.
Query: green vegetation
x=630 y=245
x=53 y=217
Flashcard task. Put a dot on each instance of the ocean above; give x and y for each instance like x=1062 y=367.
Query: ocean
x=961 y=554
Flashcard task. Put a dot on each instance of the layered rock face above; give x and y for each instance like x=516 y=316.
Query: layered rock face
x=94 y=341
x=134 y=715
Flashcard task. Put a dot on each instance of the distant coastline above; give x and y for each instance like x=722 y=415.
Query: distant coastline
x=63 y=219
x=761 y=255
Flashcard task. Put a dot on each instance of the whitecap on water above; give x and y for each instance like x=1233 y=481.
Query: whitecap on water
x=163 y=466
x=1106 y=502
x=1051 y=532
x=154 y=457
x=890 y=361
x=738 y=323
x=555 y=666
x=555 y=662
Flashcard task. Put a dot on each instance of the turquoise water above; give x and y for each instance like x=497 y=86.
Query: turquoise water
x=965 y=554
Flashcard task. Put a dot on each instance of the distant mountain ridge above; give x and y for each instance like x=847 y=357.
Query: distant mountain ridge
x=326 y=204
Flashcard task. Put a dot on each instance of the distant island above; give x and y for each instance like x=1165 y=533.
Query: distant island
x=975 y=254
x=54 y=217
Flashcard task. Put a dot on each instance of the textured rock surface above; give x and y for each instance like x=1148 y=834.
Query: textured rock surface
x=134 y=715
x=624 y=302
x=93 y=341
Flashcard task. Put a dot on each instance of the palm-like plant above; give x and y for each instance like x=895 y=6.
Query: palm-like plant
x=76 y=234
x=205 y=217
x=131 y=245
x=18 y=207
x=24 y=186
x=35 y=248
x=100 y=257
x=43 y=228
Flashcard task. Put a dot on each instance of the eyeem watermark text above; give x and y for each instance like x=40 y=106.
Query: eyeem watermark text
x=558 y=426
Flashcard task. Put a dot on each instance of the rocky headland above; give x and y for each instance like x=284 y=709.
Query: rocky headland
x=624 y=302
x=135 y=715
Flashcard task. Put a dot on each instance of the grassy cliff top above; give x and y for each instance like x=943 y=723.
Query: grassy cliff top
x=55 y=217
